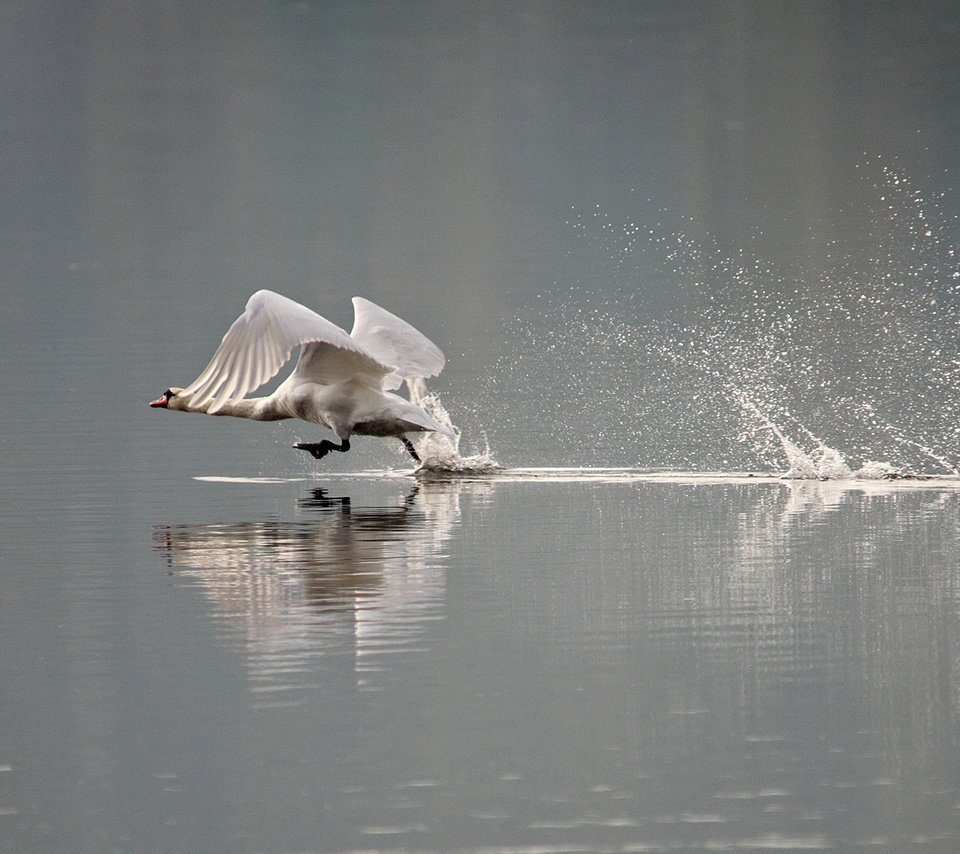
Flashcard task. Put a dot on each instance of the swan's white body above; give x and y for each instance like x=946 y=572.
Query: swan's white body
x=343 y=382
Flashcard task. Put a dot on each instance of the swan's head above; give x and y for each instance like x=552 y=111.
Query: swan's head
x=171 y=399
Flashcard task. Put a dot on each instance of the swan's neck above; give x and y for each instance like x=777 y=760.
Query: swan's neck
x=256 y=408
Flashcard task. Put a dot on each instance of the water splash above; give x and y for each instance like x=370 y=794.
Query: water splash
x=439 y=453
x=848 y=369
x=818 y=461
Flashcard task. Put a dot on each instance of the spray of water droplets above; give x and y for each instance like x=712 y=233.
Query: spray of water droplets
x=439 y=453
x=852 y=370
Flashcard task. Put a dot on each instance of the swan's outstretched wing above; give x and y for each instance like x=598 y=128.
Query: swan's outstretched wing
x=261 y=340
x=393 y=341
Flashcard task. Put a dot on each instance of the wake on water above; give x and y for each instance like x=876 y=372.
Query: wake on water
x=851 y=371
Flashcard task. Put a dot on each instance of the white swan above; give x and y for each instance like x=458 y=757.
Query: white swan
x=340 y=381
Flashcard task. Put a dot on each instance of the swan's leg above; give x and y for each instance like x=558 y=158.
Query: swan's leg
x=409 y=446
x=321 y=449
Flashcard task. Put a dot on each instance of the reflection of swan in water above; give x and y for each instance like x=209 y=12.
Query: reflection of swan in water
x=364 y=580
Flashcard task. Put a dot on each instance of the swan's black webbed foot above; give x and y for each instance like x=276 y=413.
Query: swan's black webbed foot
x=409 y=446
x=320 y=449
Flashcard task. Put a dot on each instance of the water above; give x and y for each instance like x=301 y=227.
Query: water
x=673 y=252
x=545 y=660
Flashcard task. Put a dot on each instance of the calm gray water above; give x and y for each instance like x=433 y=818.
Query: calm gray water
x=703 y=237
x=546 y=663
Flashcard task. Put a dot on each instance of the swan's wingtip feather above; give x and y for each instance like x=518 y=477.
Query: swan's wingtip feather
x=260 y=296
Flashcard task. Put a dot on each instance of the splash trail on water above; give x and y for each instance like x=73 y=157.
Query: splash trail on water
x=439 y=453
x=847 y=369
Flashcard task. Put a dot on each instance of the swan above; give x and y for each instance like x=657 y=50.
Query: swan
x=340 y=381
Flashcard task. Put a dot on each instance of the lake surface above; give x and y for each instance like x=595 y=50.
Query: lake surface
x=548 y=661
x=663 y=245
